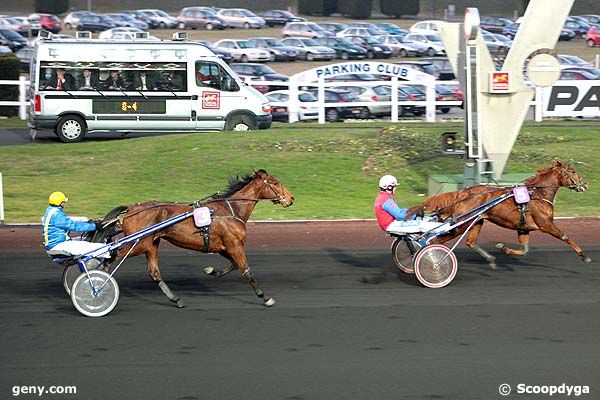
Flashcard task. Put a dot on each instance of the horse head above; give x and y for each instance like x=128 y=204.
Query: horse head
x=272 y=189
x=568 y=177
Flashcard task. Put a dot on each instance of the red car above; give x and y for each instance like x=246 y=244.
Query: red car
x=593 y=37
x=49 y=22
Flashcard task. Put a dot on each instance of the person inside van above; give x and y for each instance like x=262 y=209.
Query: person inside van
x=60 y=81
x=88 y=80
x=142 y=81
x=174 y=81
x=114 y=81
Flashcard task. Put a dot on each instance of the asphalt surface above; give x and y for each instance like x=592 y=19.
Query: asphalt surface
x=346 y=325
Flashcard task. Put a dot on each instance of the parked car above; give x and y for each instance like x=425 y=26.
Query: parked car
x=225 y=55
x=260 y=72
x=434 y=44
x=593 y=37
x=374 y=94
x=94 y=23
x=72 y=19
x=425 y=27
x=427 y=67
x=199 y=18
x=21 y=25
x=412 y=93
x=359 y=32
x=278 y=50
x=390 y=29
x=573 y=61
x=375 y=48
x=49 y=22
x=24 y=55
x=279 y=100
x=494 y=24
x=12 y=39
x=344 y=49
x=333 y=27
x=444 y=71
x=241 y=18
x=242 y=51
x=126 y=20
x=592 y=19
x=143 y=17
x=495 y=45
x=503 y=39
x=162 y=19
x=401 y=48
x=279 y=17
x=304 y=29
x=578 y=74
x=114 y=33
x=309 y=49
x=333 y=114
x=580 y=28
x=365 y=25
x=358 y=77
x=444 y=93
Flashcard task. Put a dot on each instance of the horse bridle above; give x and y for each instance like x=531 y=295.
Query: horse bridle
x=577 y=186
x=279 y=198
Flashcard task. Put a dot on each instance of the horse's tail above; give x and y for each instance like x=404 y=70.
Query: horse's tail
x=110 y=225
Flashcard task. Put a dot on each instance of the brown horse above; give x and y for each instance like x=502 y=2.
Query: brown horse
x=227 y=236
x=538 y=214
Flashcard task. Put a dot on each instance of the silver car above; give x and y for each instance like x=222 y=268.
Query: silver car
x=241 y=18
x=400 y=48
x=72 y=19
x=305 y=29
x=309 y=49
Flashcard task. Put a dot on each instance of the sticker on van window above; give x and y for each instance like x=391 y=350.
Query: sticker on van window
x=211 y=100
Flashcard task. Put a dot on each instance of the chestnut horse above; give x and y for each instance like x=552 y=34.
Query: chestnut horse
x=227 y=236
x=538 y=214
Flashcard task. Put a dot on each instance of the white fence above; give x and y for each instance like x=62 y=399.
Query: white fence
x=22 y=102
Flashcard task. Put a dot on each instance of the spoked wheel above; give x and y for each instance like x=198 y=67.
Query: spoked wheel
x=403 y=251
x=89 y=299
x=435 y=266
x=71 y=272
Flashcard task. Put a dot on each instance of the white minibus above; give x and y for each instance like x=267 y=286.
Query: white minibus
x=86 y=85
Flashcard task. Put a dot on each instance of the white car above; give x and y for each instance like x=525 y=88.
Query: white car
x=434 y=44
x=162 y=19
x=426 y=27
x=307 y=103
x=241 y=18
x=359 y=32
x=110 y=33
x=242 y=51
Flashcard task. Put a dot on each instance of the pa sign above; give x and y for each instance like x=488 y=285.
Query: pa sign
x=572 y=98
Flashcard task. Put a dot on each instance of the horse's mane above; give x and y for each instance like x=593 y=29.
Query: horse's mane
x=236 y=183
x=443 y=200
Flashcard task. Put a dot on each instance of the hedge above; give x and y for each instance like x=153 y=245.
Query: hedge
x=317 y=7
x=398 y=8
x=51 y=6
x=359 y=9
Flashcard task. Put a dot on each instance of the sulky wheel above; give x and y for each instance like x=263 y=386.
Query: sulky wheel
x=403 y=251
x=435 y=266
x=89 y=298
x=71 y=272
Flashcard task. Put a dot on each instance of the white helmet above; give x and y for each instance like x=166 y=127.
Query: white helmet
x=387 y=182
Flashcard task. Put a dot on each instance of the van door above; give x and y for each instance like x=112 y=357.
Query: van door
x=218 y=95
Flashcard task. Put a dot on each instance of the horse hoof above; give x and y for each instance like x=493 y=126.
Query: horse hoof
x=179 y=304
x=493 y=266
x=269 y=302
x=500 y=246
x=587 y=259
x=209 y=270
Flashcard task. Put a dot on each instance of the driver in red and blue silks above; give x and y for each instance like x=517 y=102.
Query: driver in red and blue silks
x=386 y=209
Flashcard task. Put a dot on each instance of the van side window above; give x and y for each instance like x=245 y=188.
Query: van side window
x=212 y=75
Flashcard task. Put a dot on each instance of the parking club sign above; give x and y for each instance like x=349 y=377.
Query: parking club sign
x=499 y=82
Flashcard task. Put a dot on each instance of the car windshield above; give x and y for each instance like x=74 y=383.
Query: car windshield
x=148 y=14
x=433 y=38
x=575 y=60
x=404 y=39
x=345 y=41
x=263 y=69
x=347 y=96
x=209 y=12
x=287 y=14
x=411 y=90
x=247 y=13
x=309 y=42
x=391 y=39
x=274 y=42
x=371 y=40
x=11 y=35
x=307 y=97
x=162 y=13
x=315 y=27
x=243 y=44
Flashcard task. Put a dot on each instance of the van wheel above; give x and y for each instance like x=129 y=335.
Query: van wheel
x=246 y=25
x=332 y=115
x=403 y=53
x=310 y=56
x=240 y=123
x=162 y=25
x=209 y=27
x=364 y=113
x=70 y=129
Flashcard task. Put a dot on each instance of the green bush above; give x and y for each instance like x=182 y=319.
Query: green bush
x=317 y=7
x=9 y=70
x=359 y=9
x=51 y=6
x=398 y=8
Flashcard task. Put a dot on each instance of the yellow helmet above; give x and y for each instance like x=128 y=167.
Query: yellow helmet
x=57 y=198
